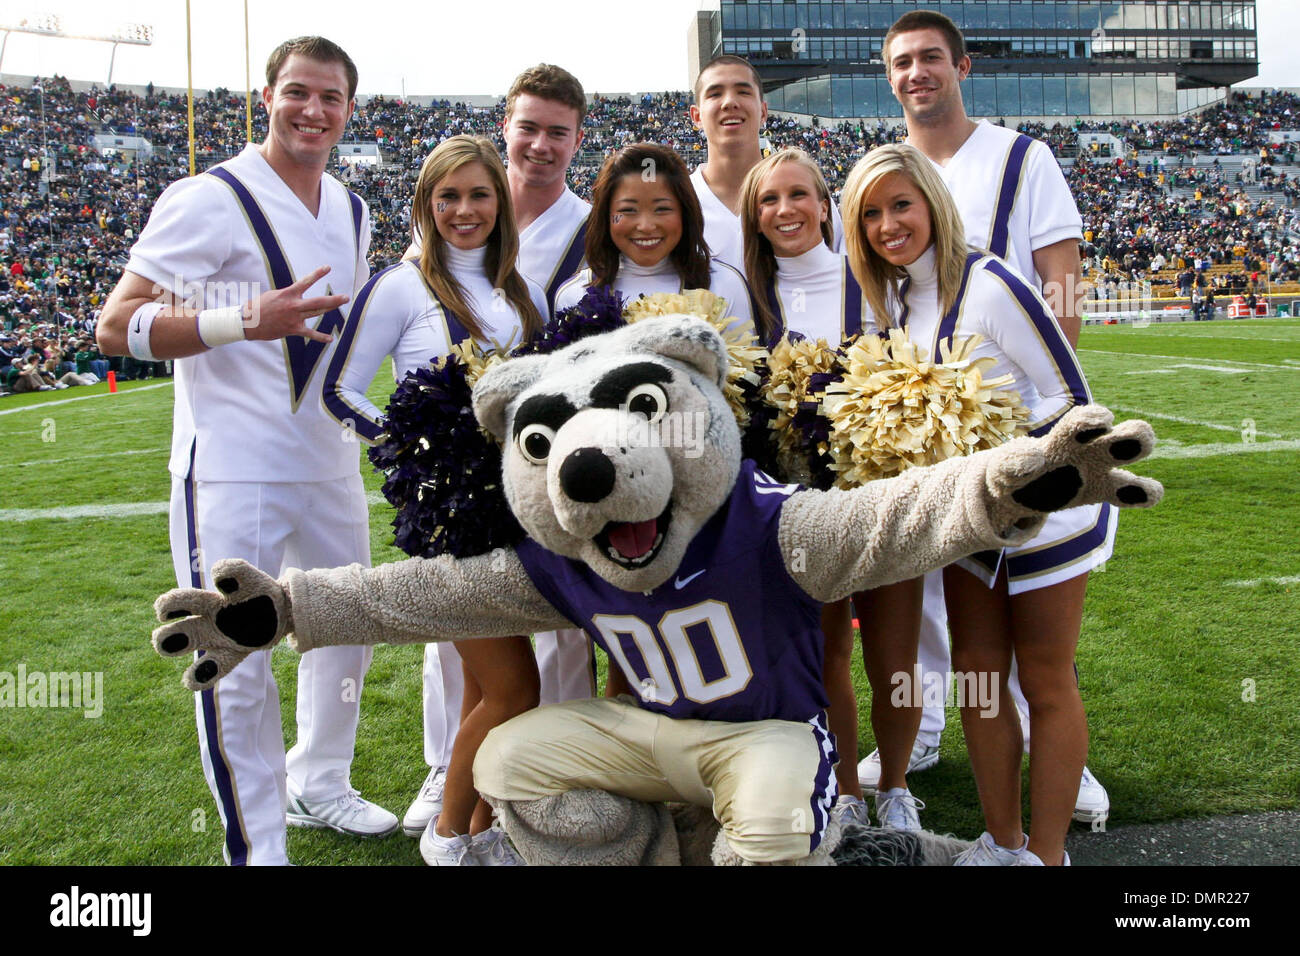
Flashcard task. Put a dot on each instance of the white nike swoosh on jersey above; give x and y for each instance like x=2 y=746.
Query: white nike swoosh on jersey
x=680 y=583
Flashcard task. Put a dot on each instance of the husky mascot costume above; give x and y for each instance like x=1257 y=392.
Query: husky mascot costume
x=700 y=576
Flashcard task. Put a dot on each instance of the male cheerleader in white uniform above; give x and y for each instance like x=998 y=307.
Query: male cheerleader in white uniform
x=1014 y=201
x=259 y=471
x=545 y=107
x=730 y=111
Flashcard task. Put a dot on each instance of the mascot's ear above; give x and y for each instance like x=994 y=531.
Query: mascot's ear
x=684 y=338
x=500 y=384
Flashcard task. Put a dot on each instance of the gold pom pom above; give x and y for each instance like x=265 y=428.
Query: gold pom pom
x=896 y=409
x=744 y=355
x=791 y=366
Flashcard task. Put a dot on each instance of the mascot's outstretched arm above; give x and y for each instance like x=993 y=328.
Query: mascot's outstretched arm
x=409 y=602
x=838 y=542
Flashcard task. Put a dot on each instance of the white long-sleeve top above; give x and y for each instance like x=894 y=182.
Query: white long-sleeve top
x=634 y=280
x=1018 y=330
x=396 y=315
x=812 y=295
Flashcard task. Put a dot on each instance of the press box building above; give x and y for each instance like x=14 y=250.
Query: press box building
x=1037 y=60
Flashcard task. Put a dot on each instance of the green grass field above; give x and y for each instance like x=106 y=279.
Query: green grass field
x=1188 y=659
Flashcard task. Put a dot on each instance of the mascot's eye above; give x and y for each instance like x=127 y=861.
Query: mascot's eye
x=649 y=401
x=535 y=442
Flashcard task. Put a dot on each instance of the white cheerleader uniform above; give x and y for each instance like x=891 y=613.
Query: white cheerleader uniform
x=1021 y=333
x=816 y=295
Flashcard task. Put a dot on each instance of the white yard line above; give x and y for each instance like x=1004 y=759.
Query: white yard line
x=1217 y=369
x=1183 y=358
x=1214 y=449
x=1187 y=421
x=81 y=398
x=114 y=511
x=1256 y=582
x=80 y=458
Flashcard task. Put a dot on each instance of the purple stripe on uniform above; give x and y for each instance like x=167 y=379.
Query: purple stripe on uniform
x=852 y=303
x=1067 y=551
x=334 y=401
x=280 y=273
x=569 y=263
x=823 y=781
x=1048 y=330
x=774 y=304
x=948 y=324
x=303 y=353
x=235 y=845
x=903 y=288
x=988 y=560
x=1007 y=195
x=355 y=200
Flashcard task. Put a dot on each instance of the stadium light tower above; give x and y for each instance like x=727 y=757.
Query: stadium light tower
x=51 y=25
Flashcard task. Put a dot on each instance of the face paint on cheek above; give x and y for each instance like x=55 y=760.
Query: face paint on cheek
x=442 y=207
x=618 y=217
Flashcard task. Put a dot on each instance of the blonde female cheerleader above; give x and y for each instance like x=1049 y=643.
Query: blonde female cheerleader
x=463 y=285
x=906 y=244
x=800 y=285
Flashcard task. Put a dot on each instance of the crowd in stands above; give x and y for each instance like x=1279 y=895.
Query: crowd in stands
x=65 y=231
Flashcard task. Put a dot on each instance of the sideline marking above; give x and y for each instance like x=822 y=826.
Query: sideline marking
x=130 y=510
x=107 y=454
x=1188 y=421
x=1285 y=368
x=82 y=398
x=1214 y=449
x=1221 y=369
x=1256 y=582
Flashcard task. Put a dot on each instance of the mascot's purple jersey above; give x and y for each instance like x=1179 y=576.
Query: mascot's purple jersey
x=730 y=636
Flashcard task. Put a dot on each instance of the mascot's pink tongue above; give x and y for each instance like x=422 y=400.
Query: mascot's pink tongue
x=633 y=538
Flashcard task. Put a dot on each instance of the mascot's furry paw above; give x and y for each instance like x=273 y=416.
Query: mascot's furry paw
x=1074 y=464
x=872 y=846
x=251 y=613
x=724 y=855
x=590 y=828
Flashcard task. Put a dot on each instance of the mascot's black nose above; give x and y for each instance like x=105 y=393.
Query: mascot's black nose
x=587 y=475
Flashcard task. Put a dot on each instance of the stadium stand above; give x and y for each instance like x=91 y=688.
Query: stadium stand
x=1205 y=200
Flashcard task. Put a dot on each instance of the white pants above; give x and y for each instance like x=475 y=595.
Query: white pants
x=273 y=526
x=563 y=661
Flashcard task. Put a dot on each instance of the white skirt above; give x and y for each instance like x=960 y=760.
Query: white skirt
x=1071 y=542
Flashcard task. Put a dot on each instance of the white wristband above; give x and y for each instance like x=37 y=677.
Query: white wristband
x=137 y=333
x=220 y=326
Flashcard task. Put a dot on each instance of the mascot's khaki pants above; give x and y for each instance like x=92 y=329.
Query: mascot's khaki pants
x=769 y=783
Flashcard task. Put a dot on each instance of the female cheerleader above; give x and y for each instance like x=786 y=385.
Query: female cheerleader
x=415 y=311
x=799 y=284
x=645 y=234
x=906 y=244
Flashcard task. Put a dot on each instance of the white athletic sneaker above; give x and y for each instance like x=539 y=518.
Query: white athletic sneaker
x=348 y=813
x=427 y=805
x=1093 y=803
x=446 y=851
x=492 y=848
x=987 y=853
x=849 y=809
x=897 y=809
x=923 y=758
